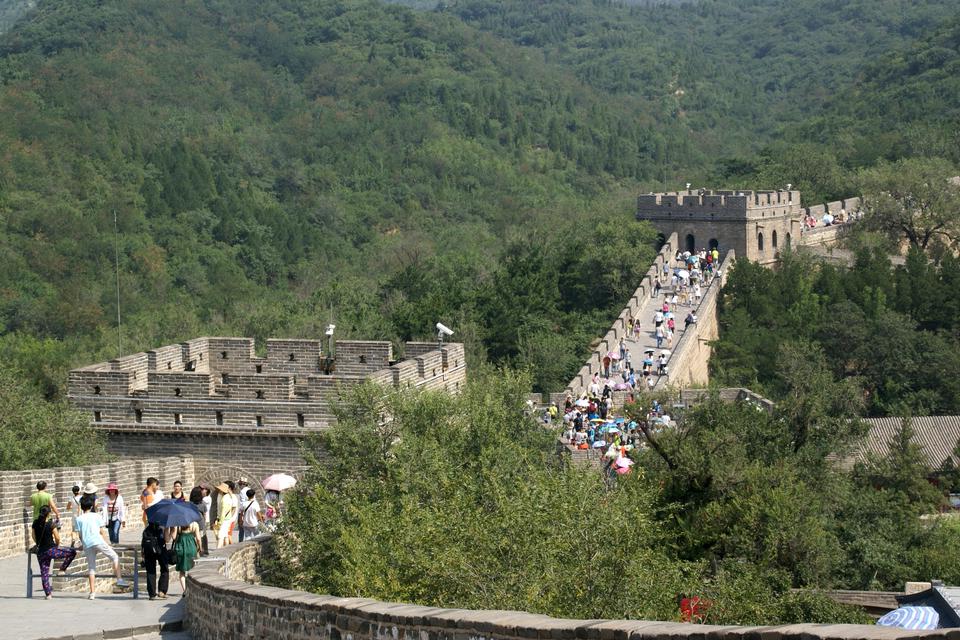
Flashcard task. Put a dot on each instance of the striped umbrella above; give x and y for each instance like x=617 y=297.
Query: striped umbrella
x=911 y=618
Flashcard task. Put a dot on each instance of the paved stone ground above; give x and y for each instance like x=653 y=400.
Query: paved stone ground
x=70 y=614
x=648 y=338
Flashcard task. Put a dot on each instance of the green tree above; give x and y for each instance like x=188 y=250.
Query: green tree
x=35 y=433
x=913 y=199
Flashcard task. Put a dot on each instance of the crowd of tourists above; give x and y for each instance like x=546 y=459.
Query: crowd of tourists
x=829 y=219
x=678 y=290
x=589 y=423
x=589 y=420
x=96 y=518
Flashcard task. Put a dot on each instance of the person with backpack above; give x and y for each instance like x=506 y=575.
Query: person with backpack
x=47 y=537
x=154 y=549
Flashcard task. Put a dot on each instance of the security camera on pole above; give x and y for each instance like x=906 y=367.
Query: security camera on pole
x=442 y=330
x=328 y=362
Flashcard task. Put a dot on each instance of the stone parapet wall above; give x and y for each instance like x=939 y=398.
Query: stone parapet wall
x=216 y=383
x=16 y=515
x=620 y=326
x=227 y=581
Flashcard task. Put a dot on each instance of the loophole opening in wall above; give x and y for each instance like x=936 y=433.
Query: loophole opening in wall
x=259 y=421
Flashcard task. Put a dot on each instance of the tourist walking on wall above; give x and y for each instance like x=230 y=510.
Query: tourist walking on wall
x=198 y=500
x=46 y=535
x=113 y=512
x=91 y=531
x=154 y=549
x=186 y=545
x=177 y=493
x=251 y=517
x=226 y=513
x=41 y=499
x=241 y=505
x=150 y=495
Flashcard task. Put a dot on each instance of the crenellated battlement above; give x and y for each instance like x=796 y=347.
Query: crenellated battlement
x=755 y=224
x=221 y=384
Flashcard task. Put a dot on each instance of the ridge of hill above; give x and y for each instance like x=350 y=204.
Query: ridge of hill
x=905 y=103
x=269 y=162
x=726 y=75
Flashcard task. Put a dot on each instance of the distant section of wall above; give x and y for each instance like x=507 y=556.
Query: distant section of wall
x=16 y=515
x=238 y=413
x=620 y=326
x=689 y=362
x=227 y=581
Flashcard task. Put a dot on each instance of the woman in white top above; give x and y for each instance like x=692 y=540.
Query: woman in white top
x=113 y=513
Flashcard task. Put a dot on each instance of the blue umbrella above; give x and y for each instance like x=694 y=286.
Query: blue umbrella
x=173 y=513
x=911 y=618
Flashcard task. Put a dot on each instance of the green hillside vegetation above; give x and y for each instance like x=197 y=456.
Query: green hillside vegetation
x=270 y=162
x=721 y=77
x=907 y=103
x=467 y=506
x=892 y=331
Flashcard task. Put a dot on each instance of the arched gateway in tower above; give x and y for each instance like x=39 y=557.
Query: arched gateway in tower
x=744 y=221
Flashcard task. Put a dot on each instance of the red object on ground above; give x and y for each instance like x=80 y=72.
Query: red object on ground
x=694 y=609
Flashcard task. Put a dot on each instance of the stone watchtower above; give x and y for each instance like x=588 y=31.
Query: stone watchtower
x=755 y=224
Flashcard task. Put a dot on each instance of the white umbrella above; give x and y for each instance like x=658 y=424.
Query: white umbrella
x=278 y=482
x=582 y=403
x=683 y=273
x=624 y=462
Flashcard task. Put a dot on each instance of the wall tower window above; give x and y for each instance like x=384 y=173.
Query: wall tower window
x=773 y=239
x=220 y=417
x=691 y=243
x=760 y=241
x=178 y=418
x=138 y=415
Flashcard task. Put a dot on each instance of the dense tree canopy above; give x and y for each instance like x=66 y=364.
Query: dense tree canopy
x=892 y=330
x=467 y=505
x=37 y=434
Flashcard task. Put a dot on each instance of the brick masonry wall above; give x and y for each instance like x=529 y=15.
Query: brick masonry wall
x=689 y=362
x=620 y=326
x=16 y=515
x=217 y=457
x=259 y=611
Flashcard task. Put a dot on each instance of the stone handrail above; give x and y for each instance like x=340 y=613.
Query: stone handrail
x=226 y=582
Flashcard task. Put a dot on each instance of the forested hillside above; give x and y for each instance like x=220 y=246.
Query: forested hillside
x=722 y=77
x=271 y=163
x=275 y=165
